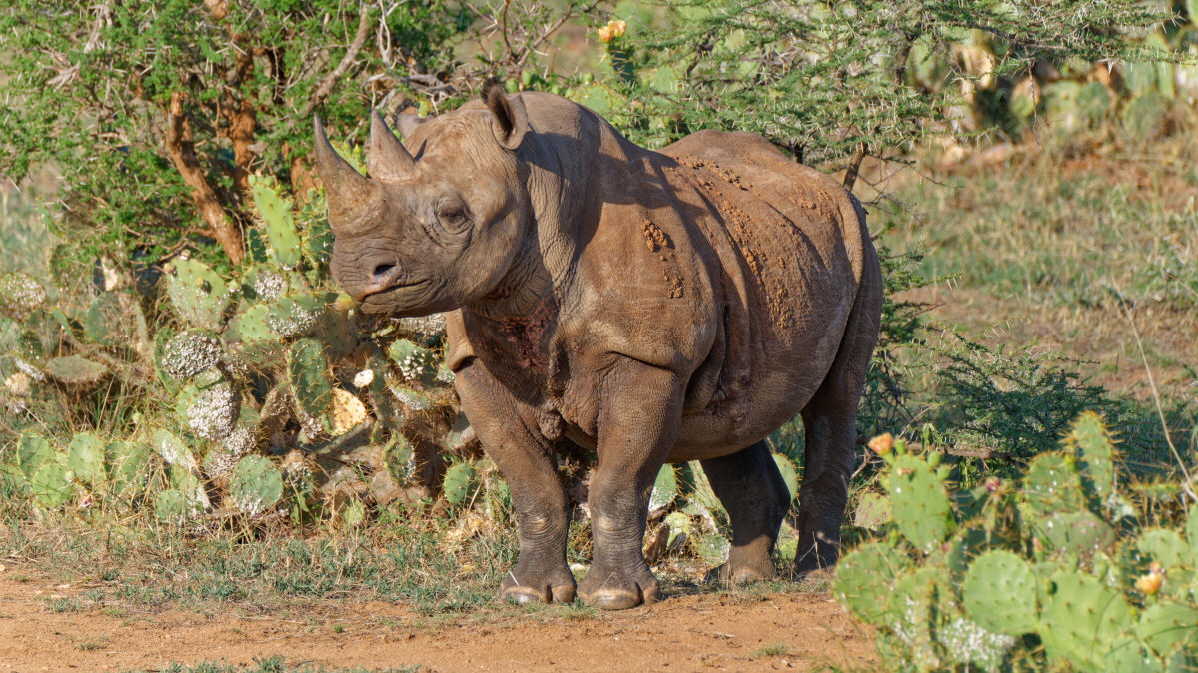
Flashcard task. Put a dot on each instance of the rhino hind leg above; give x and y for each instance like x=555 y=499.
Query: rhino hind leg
x=754 y=494
x=830 y=432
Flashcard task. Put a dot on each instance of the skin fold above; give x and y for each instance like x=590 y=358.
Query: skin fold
x=653 y=306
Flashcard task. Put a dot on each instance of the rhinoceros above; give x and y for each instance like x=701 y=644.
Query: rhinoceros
x=652 y=307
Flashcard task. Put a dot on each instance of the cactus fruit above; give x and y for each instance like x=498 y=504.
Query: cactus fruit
x=921 y=508
x=198 y=294
x=460 y=483
x=1000 y=593
x=76 y=374
x=20 y=295
x=256 y=485
x=190 y=353
x=275 y=212
x=1085 y=617
x=85 y=459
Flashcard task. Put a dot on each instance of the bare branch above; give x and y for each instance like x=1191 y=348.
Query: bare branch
x=330 y=80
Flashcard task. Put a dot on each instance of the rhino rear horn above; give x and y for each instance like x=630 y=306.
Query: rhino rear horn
x=510 y=121
x=389 y=159
x=343 y=184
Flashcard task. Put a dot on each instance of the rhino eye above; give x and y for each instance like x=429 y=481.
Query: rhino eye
x=453 y=216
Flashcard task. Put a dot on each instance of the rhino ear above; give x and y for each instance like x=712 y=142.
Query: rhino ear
x=389 y=159
x=407 y=123
x=510 y=121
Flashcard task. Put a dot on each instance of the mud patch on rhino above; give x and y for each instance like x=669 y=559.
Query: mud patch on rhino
x=772 y=296
x=655 y=238
x=659 y=242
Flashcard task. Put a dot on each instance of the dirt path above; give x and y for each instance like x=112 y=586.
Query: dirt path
x=48 y=627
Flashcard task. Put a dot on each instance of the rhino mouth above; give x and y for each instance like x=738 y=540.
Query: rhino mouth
x=396 y=297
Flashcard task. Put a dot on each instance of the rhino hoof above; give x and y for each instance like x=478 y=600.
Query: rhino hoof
x=550 y=594
x=610 y=598
x=740 y=574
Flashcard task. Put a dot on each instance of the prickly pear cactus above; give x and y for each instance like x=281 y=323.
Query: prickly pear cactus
x=1052 y=574
x=20 y=295
x=278 y=220
x=1000 y=593
x=256 y=485
x=198 y=294
x=921 y=507
x=191 y=352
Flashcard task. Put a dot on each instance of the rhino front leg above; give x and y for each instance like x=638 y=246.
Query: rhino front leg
x=640 y=411
x=542 y=512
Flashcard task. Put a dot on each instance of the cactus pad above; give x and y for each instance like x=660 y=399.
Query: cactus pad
x=50 y=484
x=665 y=488
x=1168 y=627
x=461 y=480
x=1000 y=593
x=210 y=410
x=865 y=578
x=174 y=451
x=127 y=462
x=1091 y=441
x=275 y=212
x=32 y=452
x=190 y=353
x=291 y=317
x=1086 y=617
x=76 y=374
x=20 y=295
x=198 y=294
x=85 y=458
x=1052 y=485
x=306 y=373
x=256 y=485
x=921 y=507
x=346 y=412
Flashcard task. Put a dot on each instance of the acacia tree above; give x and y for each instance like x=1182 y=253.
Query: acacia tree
x=156 y=113
x=833 y=81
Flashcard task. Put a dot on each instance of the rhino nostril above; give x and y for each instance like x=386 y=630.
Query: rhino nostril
x=382 y=271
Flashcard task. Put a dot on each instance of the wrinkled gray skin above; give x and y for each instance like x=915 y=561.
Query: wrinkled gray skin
x=655 y=306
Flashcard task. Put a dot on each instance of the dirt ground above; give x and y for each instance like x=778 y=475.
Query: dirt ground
x=721 y=632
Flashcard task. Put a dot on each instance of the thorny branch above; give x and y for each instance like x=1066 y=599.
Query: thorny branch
x=330 y=80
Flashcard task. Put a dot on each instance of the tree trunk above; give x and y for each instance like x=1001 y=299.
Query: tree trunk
x=181 y=149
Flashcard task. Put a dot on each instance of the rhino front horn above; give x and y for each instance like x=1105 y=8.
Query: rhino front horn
x=389 y=159
x=345 y=186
